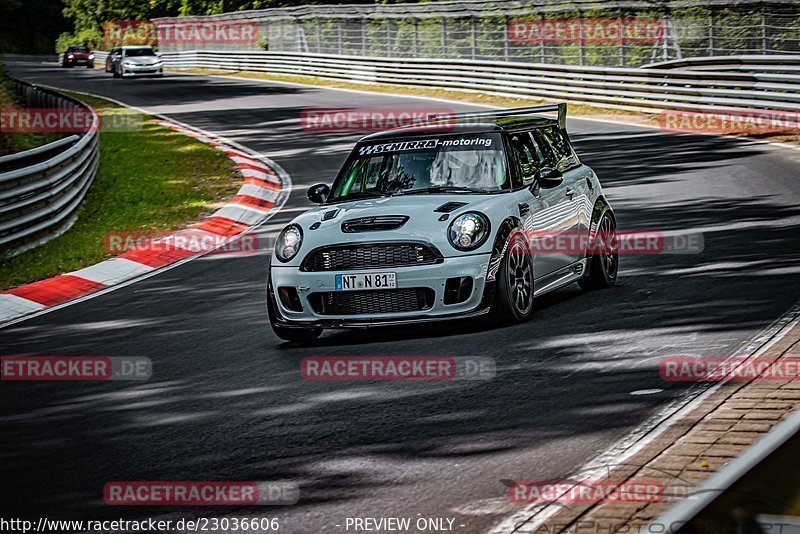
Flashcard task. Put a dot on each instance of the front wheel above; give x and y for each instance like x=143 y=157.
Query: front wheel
x=513 y=299
x=604 y=264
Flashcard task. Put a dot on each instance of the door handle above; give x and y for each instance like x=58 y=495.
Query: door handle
x=570 y=193
x=523 y=208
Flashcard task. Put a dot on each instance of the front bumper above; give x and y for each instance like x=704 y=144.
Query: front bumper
x=133 y=72
x=423 y=276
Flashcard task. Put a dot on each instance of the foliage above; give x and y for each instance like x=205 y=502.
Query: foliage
x=89 y=37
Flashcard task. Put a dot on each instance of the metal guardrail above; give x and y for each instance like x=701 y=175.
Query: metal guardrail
x=633 y=89
x=485 y=29
x=787 y=64
x=30 y=57
x=100 y=57
x=41 y=189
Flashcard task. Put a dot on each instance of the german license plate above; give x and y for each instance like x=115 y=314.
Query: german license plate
x=355 y=282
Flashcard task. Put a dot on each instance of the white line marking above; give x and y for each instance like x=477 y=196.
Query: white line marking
x=645 y=392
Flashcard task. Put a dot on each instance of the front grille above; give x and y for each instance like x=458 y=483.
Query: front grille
x=374 y=224
x=369 y=256
x=372 y=302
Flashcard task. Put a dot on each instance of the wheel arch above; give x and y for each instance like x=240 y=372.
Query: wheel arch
x=509 y=225
x=601 y=207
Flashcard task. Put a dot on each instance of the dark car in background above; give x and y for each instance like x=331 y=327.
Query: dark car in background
x=77 y=55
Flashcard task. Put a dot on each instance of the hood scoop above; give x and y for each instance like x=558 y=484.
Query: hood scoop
x=379 y=223
x=449 y=207
x=330 y=214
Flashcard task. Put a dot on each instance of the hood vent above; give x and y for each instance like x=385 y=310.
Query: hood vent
x=448 y=207
x=378 y=223
x=328 y=215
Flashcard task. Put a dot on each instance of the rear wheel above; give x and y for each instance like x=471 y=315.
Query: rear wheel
x=604 y=265
x=513 y=299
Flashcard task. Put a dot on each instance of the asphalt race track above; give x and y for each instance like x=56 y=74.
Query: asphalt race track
x=226 y=401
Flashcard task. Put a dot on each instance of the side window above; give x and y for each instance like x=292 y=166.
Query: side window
x=558 y=144
x=530 y=155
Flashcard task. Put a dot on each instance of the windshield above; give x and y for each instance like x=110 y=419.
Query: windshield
x=446 y=163
x=134 y=52
x=78 y=49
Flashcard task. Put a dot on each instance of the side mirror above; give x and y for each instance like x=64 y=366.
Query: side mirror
x=318 y=193
x=548 y=177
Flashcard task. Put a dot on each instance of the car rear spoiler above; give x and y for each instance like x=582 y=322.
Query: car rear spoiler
x=560 y=108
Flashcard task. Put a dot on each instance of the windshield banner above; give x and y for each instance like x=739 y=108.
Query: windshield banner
x=439 y=143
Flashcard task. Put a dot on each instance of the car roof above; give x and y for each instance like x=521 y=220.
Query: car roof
x=465 y=126
x=129 y=47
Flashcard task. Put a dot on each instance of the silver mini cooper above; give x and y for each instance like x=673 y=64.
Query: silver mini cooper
x=466 y=215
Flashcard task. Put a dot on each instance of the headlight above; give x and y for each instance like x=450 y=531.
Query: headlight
x=468 y=231
x=288 y=244
x=127 y=64
x=70 y=56
x=91 y=56
x=157 y=64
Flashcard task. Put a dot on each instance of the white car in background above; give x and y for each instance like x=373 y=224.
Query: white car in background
x=434 y=222
x=134 y=61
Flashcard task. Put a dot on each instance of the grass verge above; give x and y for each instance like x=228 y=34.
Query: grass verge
x=575 y=110
x=150 y=179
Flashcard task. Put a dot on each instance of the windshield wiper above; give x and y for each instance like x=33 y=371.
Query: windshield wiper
x=444 y=189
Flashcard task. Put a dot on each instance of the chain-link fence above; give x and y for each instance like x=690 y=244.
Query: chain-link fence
x=576 y=32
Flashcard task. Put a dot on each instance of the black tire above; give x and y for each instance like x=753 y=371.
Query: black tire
x=603 y=266
x=295 y=334
x=513 y=297
x=116 y=73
